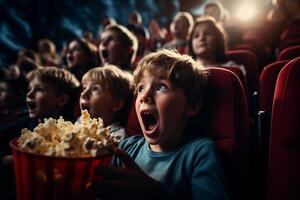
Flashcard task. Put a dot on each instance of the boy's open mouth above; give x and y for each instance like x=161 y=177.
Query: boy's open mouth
x=84 y=107
x=105 y=54
x=149 y=120
x=31 y=105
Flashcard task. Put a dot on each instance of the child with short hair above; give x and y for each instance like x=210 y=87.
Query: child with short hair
x=168 y=162
x=107 y=94
x=118 y=46
x=51 y=93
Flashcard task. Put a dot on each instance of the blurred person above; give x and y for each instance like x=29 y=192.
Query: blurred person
x=135 y=18
x=12 y=99
x=81 y=56
x=143 y=36
x=118 y=46
x=207 y=44
x=22 y=69
x=158 y=35
x=180 y=28
x=215 y=10
x=29 y=55
x=47 y=53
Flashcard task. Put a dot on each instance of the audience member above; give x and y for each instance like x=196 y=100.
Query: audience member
x=168 y=162
x=180 y=28
x=107 y=94
x=51 y=93
x=47 y=53
x=135 y=18
x=12 y=99
x=118 y=46
x=207 y=44
x=81 y=56
x=143 y=36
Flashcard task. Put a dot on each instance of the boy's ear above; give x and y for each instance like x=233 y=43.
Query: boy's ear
x=63 y=100
x=193 y=109
x=118 y=105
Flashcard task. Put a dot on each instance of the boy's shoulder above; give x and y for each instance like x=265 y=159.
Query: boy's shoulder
x=201 y=144
x=132 y=141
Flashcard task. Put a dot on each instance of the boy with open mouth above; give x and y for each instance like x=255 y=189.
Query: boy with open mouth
x=107 y=95
x=168 y=162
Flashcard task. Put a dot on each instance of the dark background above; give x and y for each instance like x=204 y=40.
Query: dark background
x=24 y=22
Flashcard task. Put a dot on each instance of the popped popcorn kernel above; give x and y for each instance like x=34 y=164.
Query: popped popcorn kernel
x=57 y=137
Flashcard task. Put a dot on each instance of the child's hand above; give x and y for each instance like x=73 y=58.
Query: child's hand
x=129 y=182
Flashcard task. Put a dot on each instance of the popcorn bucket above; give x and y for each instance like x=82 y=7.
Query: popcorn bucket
x=48 y=177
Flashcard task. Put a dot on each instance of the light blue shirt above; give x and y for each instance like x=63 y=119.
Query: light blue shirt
x=192 y=171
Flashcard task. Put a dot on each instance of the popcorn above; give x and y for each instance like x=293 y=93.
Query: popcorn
x=62 y=138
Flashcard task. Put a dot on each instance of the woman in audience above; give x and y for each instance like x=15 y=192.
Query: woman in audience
x=207 y=44
x=81 y=56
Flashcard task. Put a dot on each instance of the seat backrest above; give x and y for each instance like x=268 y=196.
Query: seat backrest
x=226 y=120
x=237 y=71
x=289 y=43
x=289 y=53
x=284 y=155
x=133 y=126
x=249 y=60
x=267 y=82
x=291 y=30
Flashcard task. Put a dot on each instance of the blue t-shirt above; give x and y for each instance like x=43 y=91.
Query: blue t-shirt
x=191 y=171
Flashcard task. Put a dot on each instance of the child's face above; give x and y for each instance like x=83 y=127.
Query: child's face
x=204 y=41
x=42 y=100
x=111 y=49
x=75 y=55
x=98 y=101
x=162 y=111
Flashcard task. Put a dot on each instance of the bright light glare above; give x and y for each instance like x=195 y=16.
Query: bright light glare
x=246 y=12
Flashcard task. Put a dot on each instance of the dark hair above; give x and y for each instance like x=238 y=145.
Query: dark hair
x=221 y=43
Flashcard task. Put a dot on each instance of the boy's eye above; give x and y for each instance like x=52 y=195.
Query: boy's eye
x=140 y=89
x=96 y=89
x=161 y=88
x=39 y=89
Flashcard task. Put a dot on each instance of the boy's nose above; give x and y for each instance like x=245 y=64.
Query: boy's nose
x=29 y=93
x=147 y=97
x=84 y=94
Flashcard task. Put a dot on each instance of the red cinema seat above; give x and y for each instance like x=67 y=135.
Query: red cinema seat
x=284 y=155
x=227 y=122
x=133 y=126
x=290 y=31
x=237 y=71
x=289 y=53
x=249 y=60
x=289 y=43
x=267 y=82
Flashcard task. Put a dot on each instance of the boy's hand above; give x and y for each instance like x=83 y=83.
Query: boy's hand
x=129 y=182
